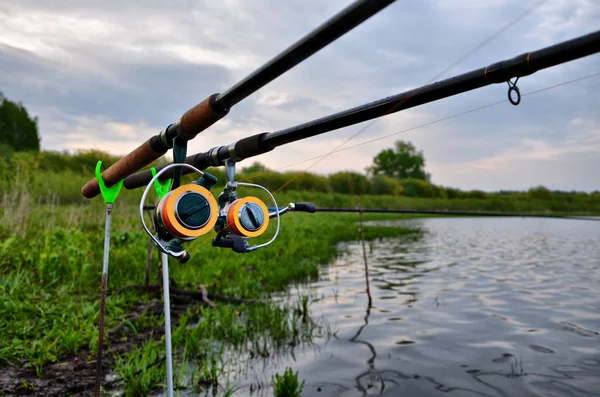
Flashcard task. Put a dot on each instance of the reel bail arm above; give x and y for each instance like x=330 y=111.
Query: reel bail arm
x=241 y=218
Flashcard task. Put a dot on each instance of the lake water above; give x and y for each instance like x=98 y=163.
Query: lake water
x=471 y=307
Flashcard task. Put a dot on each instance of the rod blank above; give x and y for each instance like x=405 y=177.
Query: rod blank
x=344 y=21
x=499 y=72
x=454 y=213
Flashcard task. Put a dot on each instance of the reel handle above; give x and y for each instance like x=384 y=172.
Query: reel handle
x=235 y=242
x=184 y=258
x=297 y=207
x=305 y=207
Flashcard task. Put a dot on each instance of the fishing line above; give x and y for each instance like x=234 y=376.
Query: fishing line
x=486 y=41
x=595 y=74
x=199 y=243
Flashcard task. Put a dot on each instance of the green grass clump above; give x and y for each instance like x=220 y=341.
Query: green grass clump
x=143 y=369
x=287 y=385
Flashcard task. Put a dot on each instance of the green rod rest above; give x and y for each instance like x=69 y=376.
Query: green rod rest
x=161 y=189
x=109 y=194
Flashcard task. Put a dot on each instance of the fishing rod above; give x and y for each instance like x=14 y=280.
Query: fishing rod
x=312 y=208
x=453 y=213
x=499 y=72
x=216 y=106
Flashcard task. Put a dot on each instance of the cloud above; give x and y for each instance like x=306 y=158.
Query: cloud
x=111 y=74
x=566 y=163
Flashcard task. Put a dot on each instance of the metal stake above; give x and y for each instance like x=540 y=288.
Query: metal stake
x=165 y=266
x=103 y=299
x=364 y=251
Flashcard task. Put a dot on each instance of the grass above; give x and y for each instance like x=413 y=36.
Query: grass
x=50 y=270
x=143 y=368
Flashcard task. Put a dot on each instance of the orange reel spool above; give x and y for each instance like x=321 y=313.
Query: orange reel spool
x=188 y=212
x=248 y=217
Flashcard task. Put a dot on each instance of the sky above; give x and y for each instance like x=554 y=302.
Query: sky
x=110 y=74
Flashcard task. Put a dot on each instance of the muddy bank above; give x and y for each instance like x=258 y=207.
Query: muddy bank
x=76 y=375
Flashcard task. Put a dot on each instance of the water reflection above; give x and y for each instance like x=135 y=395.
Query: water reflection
x=366 y=380
x=470 y=307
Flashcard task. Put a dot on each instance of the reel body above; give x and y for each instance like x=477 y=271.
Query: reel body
x=191 y=211
x=241 y=219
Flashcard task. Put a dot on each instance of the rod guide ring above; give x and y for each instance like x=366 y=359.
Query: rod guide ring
x=512 y=88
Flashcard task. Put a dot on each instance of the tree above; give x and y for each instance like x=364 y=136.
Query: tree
x=404 y=161
x=254 y=168
x=17 y=130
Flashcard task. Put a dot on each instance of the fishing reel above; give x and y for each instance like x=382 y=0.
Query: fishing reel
x=182 y=214
x=191 y=211
x=243 y=218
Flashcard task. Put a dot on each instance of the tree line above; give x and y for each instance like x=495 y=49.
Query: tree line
x=18 y=130
x=354 y=183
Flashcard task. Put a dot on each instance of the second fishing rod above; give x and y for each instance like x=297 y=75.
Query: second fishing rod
x=499 y=72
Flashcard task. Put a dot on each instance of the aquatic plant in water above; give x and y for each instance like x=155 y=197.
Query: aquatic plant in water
x=287 y=385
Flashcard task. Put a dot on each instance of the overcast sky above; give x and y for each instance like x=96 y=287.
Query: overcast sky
x=109 y=74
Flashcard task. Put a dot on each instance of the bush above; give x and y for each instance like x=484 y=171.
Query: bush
x=452 y=193
x=273 y=181
x=6 y=149
x=306 y=181
x=348 y=182
x=255 y=168
x=18 y=169
x=419 y=188
x=385 y=185
x=476 y=194
x=439 y=192
x=539 y=193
